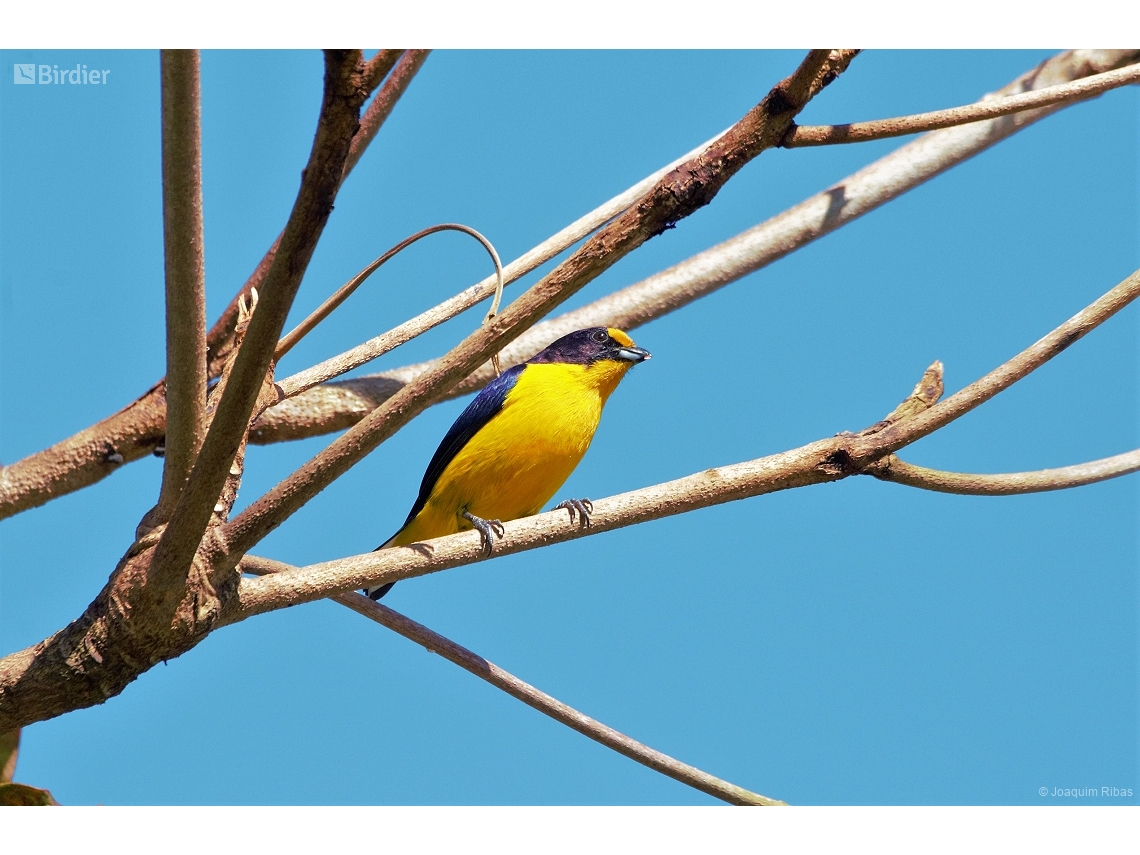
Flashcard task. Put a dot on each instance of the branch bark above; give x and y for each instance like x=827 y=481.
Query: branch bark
x=688 y=188
x=164 y=596
x=799 y=136
x=336 y=406
x=892 y=469
x=139 y=428
x=528 y=694
x=185 y=271
x=339 y=120
x=819 y=462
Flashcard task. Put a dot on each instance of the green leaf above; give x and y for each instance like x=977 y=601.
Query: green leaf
x=21 y=794
x=9 y=747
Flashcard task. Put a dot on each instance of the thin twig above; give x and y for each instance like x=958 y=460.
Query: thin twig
x=819 y=462
x=377 y=113
x=358 y=356
x=685 y=190
x=528 y=694
x=336 y=406
x=1067 y=93
x=377 y=68
x=1006 y=484
x=185 y=271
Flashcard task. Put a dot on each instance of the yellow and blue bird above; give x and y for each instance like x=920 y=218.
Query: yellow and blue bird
x=518 y=441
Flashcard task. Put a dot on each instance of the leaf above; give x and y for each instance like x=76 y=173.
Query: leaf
x=9 y=747
x=12 y=795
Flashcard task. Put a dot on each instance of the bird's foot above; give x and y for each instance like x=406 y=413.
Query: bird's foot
x=582 y=507
x=488 y=530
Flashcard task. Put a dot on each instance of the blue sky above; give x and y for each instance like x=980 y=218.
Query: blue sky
x=856 y=643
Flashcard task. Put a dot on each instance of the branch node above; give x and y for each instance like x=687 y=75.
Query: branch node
x=925 y=395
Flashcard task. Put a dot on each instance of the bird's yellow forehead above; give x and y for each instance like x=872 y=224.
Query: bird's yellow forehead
x=620 y=337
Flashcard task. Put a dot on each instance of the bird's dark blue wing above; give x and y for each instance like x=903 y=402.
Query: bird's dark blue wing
x=480 y=411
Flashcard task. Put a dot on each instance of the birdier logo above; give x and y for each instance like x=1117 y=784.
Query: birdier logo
x=81 y=75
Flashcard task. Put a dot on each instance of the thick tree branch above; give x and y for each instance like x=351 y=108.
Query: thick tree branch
x=1066 y=93
x=822 y=461
x=338 y=122
x=528 y=694
x=164 y=596
x=688 y=188
x=890 y=468
x=185 y=271
x=135 y=431
x=336 y=406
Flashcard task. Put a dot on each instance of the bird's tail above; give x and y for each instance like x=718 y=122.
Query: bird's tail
x=380 y=590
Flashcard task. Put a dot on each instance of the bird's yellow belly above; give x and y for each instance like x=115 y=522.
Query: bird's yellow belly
x=519 y=460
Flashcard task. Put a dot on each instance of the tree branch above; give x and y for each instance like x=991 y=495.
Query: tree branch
x=890 y=468
x=528 y=694
x=164 y=596
x=381 y=107
x=364 y=353
x=799 y=136
x=336 y=406
x=338 y=122
x=185 y=271
x=377 y=68
x=137 y=429
x=688 y=188
x=819 y=462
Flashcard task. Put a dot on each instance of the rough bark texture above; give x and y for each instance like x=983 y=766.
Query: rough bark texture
x=166 y=593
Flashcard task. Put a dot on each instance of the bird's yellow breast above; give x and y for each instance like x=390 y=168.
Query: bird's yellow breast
x=519 y=459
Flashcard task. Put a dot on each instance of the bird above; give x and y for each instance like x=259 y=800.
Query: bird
x=517 y=442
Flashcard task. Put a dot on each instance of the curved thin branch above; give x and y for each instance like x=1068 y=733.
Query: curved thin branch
x=336 y=406
x=685 y=190
x=1006 y=484
x=448 y=309
x=528 y=694
x=825 y=460
x=812 y=135
x=364 y=353
x=185 y=269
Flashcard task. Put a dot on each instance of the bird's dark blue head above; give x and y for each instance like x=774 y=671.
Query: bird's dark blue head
x=585 y=347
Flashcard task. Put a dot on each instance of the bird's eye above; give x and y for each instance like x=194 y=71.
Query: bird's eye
x=600 y=337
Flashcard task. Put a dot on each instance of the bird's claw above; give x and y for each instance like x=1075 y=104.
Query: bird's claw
x=582 y=507
x=488 y=530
